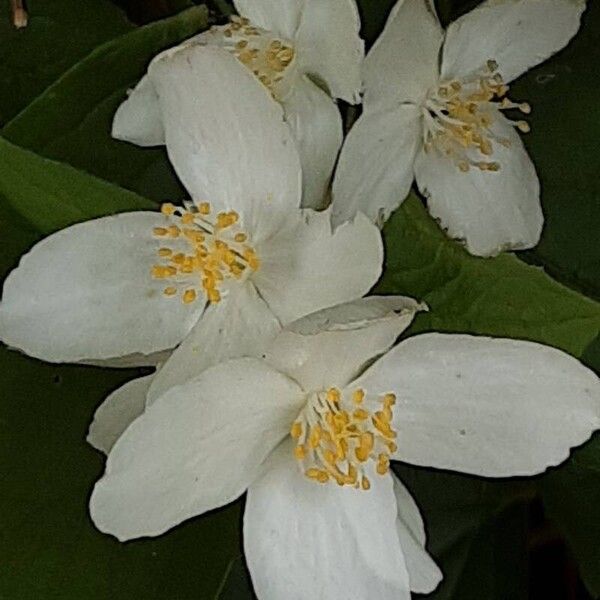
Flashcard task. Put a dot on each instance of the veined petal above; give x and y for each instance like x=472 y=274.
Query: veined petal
x=491 y=211
x=491 y=407
x=241 y=324
x=517 y=34
x=279 y=16
x=331 y=347
x=403 y=63
x=307 y=540
x=330 y=47
x=86 y=294
x=424 y=575
x=316 y=123
x=232 y=150
x=117 y=412
x=306 y=267
x=138 y=119
x=196 y=448
x=376 y=166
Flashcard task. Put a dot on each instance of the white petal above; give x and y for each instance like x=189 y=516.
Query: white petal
x=376 y=166
x=241 y=324
x=330 y=47
x=316 y=123
x=86 y=293
x=196 y=448
x=517 y=34
x=230 y=149
x=307 y=540
x=403 y=63
x=492 y=407
x=489 y=211
x=306 y=267
x=330 y=347
x=279 y=16
x=117 y=412
x=138 y=119
x=424 y=575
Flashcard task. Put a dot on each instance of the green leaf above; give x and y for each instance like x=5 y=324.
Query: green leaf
x=50 y=195
x=71 y=121
x=563 y=143
x=59 y=33
x=499 y=296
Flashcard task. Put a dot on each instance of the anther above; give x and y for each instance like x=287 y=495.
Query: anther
x=339 y=442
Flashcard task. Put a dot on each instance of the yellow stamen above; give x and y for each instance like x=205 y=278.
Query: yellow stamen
x=296 y=430
x=339 y=440
x=459 y=116
x=189 y=296
x=217 y=250
x=270 y=59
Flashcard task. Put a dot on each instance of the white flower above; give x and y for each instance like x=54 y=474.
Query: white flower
x=288 y=44
x=310 y=430
x=224 y=272
x=443 y=125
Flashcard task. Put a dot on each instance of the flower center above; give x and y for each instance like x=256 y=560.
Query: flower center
x=336 y=437
x=459 y=117
x=270 y=58
x=201 y=251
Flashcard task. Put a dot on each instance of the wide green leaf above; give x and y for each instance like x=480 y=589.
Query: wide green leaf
x=71 y=121
x=500 y=296
x=52 y=195
x=59 y=33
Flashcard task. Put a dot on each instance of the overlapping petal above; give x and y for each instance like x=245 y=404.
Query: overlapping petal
x=279 y=16
x=492 y=407
x=330 y=47
x=316 y=124
x=196 y=448
x=403 y=63
x=517 y=34
x=138 y=119
x=226 y=136
x=376 y=166
x=117 y=412
x=491 y=211
x=306 y=267
x=305 y=540
x=330 y=347
x=241 y=324
x=85 y=294
x=424 y=575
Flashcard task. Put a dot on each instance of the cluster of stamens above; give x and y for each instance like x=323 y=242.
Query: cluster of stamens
x=267 y=57
x=336 y=437
x=208 y=250
x=458 y=118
